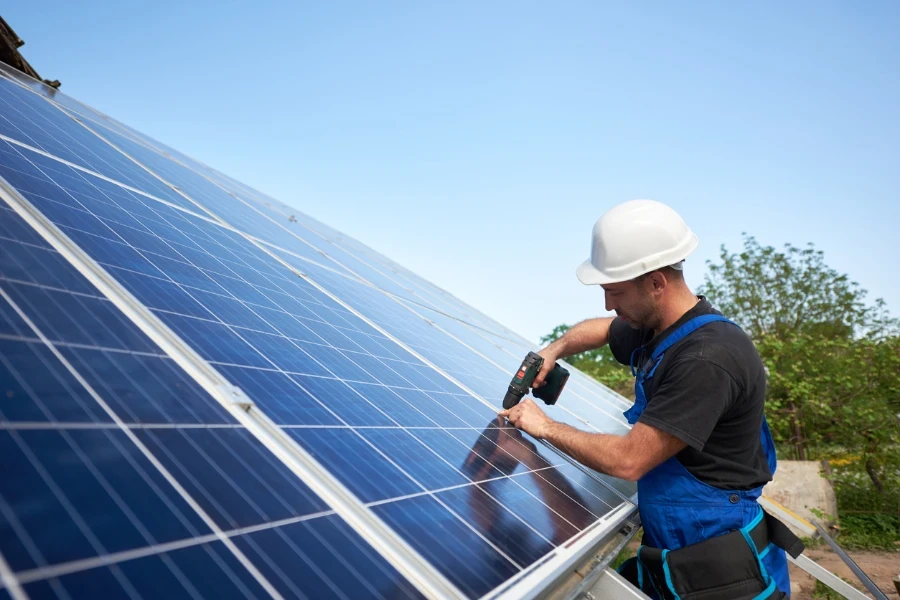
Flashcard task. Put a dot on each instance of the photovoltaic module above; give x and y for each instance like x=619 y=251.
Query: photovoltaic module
x=205 y=393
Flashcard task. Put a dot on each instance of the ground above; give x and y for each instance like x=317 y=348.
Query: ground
x=881 y=567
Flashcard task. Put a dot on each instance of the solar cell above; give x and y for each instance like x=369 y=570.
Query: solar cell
x=384 y=380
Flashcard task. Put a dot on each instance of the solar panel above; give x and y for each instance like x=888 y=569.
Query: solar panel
x=121 y=474
x=220 y=396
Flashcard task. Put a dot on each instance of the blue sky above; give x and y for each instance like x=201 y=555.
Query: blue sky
x=477 y=142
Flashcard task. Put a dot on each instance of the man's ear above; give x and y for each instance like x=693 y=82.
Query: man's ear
x=658 y=280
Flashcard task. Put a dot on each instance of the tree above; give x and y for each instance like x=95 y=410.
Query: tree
x=769 y=292
x=833 y=360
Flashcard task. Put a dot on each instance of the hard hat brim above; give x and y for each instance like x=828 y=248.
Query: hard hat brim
x=588 y=274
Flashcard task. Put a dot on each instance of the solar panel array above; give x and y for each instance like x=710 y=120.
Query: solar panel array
x=363 y=456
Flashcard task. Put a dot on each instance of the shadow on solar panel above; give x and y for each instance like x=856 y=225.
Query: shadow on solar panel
x=208 y=394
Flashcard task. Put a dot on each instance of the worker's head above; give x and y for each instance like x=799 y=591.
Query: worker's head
x=639 y=301
x=637 y=252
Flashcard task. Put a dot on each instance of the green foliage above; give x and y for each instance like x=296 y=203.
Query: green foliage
x=823 y=592
x=621 y=557
x=870 y=532
x=599 y=364
x=833 y=360
x=769 y=292
x=869 y=519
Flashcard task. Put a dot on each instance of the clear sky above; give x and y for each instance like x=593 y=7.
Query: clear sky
x=477 y=142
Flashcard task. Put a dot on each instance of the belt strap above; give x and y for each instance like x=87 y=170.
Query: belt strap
x=727 y=567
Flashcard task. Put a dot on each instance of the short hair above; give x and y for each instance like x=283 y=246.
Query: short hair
x=672 y=272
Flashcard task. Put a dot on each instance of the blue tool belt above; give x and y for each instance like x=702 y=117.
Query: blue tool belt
x=726 y=567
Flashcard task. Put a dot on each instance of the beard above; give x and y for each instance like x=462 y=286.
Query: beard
x=640 y=317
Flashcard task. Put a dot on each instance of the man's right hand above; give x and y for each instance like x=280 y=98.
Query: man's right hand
x=550 y=356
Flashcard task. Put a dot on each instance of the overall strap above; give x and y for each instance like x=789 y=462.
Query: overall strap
x=685 y=330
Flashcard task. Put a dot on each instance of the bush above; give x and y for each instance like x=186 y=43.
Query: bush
x=869 y=519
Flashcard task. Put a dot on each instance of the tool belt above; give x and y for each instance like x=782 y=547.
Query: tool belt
x=726 y=567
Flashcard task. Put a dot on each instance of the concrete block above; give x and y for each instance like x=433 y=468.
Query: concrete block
x=799 y=486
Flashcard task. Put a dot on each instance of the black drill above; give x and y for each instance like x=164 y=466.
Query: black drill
x=524 y=377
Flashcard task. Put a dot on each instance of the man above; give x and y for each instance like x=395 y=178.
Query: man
x=700 y=447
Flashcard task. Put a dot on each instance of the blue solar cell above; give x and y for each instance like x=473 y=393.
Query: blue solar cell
x=442 y=410
x=13 y=228
x=160 y=294
x=231 y=475
x=74 y=494
x=474 y=407
x=510 y=534
x=145 y=389
x=78 y=319
x=556 y=516
x=11 y=323
x=355 y=463
x=387 y=373
x=350 y=406
x=323 y=558
x=466 y=459
x=280 y=397
x=36 y=386
x=215 y=342
x=200 y=571
x=70 y=141
x=213 y=197
x=460 y=554
x=580 y=477
x=285 y=324
x=285 y=354
x=392 y=403
x=42 y=266
x=414 y=457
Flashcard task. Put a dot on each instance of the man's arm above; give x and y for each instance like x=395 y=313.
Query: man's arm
x=628 y=456
x=587 y=335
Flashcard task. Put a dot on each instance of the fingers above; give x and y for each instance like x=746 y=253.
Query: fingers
x=545 y=370
x=503 y=413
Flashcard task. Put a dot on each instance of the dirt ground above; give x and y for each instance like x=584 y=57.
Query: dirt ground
x=881 y=567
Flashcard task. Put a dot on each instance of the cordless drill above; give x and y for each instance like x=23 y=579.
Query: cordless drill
x=524 y=377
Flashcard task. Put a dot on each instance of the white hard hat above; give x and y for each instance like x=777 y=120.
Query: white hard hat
x=634 y=238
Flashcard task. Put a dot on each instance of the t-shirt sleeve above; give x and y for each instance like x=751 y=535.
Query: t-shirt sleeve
x=623 y=340
x=690 y=400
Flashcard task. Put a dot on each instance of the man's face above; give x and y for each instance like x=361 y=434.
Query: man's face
x=633 y=303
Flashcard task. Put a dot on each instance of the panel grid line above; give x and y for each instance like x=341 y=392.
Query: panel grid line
x=65 y=568
x=145 y=451
x=402 y=556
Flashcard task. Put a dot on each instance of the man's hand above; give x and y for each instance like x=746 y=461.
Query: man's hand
x=528 y=417
x=550 y=356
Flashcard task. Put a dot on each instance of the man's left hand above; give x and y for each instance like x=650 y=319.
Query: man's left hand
x=528 y=417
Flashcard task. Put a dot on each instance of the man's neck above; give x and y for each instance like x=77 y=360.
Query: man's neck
x=674 y=310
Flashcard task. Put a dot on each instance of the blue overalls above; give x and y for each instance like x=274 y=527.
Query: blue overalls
x=676 y=508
